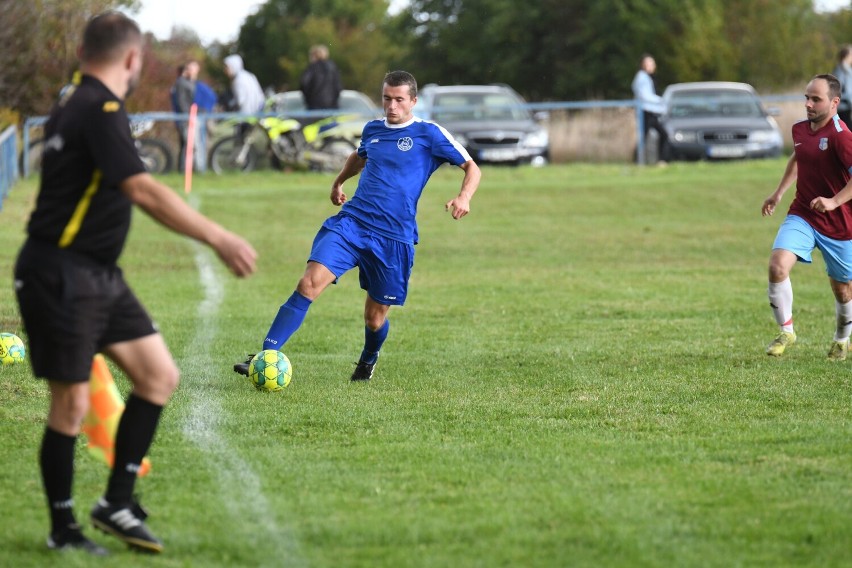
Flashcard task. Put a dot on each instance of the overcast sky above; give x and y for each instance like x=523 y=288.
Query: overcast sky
x=212 y=20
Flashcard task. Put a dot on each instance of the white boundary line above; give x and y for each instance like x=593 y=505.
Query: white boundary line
x=240 y=487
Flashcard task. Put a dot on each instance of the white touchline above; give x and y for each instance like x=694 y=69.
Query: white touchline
x=240 y=489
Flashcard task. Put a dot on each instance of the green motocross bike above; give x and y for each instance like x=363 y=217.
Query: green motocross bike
x=319 y=146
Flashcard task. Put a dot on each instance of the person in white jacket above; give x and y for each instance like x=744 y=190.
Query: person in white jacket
x=245 y=88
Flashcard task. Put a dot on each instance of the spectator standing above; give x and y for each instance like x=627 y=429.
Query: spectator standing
x=245 y=88
x=183 y=95
x=248 y=97
x=650 y=102
x=320 y=82
x=843 y=72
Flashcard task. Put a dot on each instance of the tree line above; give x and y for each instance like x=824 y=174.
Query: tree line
x=548 y=50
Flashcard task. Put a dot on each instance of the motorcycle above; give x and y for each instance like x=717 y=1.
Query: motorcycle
x=154 y=153
x=321 y=146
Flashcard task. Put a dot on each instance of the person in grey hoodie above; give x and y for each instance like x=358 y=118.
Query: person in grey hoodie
x=245 y=88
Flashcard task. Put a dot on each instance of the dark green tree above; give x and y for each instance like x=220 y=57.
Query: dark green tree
x=274 y=42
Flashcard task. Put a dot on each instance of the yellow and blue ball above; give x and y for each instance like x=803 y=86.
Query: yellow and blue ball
x=12 y=349
x=270 y=370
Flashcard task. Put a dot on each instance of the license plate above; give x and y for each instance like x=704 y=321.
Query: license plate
x=727 y=151
x=499 y=154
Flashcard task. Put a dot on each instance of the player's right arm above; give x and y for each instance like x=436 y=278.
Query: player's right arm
x=790 y=174
x=353 y=166
x=164 y=205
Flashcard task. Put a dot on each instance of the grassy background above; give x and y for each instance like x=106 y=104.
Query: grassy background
x=577 y=379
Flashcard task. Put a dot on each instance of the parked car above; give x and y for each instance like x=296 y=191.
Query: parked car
x=490 y=121
x=292 y=103
x=717 y=120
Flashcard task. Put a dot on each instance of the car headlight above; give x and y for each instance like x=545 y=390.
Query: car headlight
x=461 y=139
x=685 y=136
x=763 y=136
x=537 y=139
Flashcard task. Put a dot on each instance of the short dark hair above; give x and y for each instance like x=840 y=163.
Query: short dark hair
x=400 y=78
x=833 y=84
x=107 y=35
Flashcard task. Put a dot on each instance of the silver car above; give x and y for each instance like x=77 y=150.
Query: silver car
x=292 y=103
x=490 y=121
x=717 y=120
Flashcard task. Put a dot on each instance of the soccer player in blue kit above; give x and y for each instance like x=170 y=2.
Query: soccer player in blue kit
x=376 y=230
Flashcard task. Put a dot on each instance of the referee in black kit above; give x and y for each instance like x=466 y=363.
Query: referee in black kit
x=72 y=296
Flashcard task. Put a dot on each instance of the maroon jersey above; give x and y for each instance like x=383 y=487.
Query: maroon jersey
x=824 y=162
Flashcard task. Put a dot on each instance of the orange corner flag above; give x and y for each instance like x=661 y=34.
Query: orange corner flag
x=105 y=408
x=190 y=148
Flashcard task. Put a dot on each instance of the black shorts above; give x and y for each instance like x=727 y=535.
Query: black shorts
x=72 y=308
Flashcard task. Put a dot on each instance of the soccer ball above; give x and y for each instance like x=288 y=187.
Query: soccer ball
x=12 y=349
x=270 y=370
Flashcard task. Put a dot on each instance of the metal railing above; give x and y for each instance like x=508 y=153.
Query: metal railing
x=201 y=143
x=8 y=161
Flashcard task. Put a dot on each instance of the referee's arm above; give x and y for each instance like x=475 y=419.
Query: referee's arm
x=164 y=205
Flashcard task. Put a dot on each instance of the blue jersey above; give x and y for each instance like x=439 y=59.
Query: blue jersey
x=400 y=160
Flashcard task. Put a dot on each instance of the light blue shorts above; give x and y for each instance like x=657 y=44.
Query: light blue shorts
x=797 y=236
x=384 y=264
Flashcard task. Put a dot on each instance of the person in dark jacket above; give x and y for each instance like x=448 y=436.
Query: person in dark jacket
x=320 y=83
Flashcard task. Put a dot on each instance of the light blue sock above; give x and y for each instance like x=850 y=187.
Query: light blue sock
x=373 y=341
x=290 y=316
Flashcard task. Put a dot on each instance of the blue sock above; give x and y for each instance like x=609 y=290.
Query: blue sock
x=290 y=316
x=373 y=341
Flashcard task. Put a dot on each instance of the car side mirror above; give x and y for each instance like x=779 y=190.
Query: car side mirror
x=541 y=116
x=773 y=111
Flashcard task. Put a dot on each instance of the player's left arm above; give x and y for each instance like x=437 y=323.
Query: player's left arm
x=460 y=205
x=844 y=156
x=826 y=204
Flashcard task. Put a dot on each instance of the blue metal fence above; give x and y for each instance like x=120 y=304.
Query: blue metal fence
x=549 y=106
x=8 y=161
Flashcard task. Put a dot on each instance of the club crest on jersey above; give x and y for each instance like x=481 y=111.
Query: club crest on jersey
x=823 y=143
x=405 y=144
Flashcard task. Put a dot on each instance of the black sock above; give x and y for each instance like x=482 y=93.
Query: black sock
x=57 y=472
x=132 y=441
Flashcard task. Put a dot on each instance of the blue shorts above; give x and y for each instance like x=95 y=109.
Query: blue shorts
x=797 y=236
x=384 y=264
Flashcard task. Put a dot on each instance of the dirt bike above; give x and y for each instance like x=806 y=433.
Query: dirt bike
x=155 y=154
x=319 y=146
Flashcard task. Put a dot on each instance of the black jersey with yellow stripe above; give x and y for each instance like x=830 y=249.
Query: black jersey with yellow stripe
x=88 y=152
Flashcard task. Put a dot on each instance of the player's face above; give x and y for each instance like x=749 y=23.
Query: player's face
x=818 y=103
x=397 y=103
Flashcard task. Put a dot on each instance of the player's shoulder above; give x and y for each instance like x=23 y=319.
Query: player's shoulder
x=91 y=96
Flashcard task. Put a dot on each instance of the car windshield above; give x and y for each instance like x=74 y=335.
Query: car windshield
x=477 y=106
x=714 y=103
x=295 y=102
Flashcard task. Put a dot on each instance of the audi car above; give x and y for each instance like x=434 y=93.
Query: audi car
x=491 y=121
x=717 y=120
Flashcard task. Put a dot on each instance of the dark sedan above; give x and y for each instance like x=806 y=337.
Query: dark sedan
x=490 y=121
x=717 y=120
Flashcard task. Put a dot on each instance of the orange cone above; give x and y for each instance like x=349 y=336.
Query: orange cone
x=105 y=408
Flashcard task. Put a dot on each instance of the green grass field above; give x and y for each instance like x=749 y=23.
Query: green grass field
x=578 y=379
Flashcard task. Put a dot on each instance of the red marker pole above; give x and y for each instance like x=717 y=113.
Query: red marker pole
x=190 y=142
